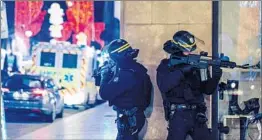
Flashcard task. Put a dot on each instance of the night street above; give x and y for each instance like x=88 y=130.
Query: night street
x=18 y=125
x=130 y=70
x=95 y=123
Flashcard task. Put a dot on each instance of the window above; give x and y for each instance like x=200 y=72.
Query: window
x=47 y=59
x=240 y=39
x=18 y=82
x=69 y=61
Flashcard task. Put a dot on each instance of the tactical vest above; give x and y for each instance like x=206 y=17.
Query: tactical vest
x=187 y=90
x=135 y=97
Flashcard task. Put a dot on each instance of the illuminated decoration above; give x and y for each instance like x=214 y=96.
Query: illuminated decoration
x=19 y=44
x=81 y=19
x=69 y=3
x=81 y=38
x=90 y=52
x=28 y=33
x=81 y=16
x=55 y=31
x=28 y=17
x=66 y=32
x=56 y=19
x=53 y=41
x=252 y=87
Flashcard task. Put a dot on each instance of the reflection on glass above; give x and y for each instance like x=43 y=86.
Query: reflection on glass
x=240 y=39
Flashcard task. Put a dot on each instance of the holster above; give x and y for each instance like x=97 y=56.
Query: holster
x=166 y=109
x=201 y=113
x=126 y=120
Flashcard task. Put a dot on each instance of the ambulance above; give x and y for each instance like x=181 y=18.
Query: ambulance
x=71 y=66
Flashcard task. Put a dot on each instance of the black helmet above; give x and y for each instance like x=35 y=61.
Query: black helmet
x=183 y=41
x=121 y=49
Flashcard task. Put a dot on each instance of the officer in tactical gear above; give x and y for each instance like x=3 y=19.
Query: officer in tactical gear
x=127 y=86
x=183 y=87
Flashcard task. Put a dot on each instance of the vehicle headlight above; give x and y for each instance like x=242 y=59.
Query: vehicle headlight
x=25 y=96
x=16 y=95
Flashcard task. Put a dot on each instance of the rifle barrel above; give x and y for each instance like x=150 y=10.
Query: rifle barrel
x=242 y=67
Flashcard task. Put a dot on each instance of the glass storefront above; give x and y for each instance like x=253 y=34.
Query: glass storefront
x=240 y=40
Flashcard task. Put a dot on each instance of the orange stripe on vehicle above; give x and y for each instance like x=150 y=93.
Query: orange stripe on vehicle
x=82 y=84
x=62 y=92
x=74 y=90
x=84 y=68
x=68 y=92
x=82 y=74
x=71 y=92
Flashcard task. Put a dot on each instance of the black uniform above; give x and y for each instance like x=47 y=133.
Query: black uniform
x=129 y=91
x=4 y=76
x=182 y=91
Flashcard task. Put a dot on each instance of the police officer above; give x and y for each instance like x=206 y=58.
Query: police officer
x=127 y=86
x=183 y=87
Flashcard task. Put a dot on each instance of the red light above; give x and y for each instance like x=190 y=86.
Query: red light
x=39 y=92
x=5 y=90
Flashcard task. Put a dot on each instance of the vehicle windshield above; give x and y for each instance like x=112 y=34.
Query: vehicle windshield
x=17 y=82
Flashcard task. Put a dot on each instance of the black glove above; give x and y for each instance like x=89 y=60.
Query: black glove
x=106 y=75
x=201 y=118
x=187 y=69
x=97 y=77
x=217 y=72
x=166 y=105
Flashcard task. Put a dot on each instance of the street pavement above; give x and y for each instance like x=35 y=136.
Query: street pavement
x=95 y=123
x=18 y=125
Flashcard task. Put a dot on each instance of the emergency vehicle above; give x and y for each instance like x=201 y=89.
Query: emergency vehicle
x=71 y=66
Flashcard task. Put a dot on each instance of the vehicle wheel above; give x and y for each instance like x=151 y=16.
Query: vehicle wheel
x=51 y=117
x=60 y=115
x=96 y=100
x=87 y=99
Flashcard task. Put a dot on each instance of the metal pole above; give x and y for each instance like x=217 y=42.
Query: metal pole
x=242 y=122
x=260 y=38
x=2 y=118
x=215 y=33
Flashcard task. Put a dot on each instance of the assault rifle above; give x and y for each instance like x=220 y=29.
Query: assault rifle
x=202 y=61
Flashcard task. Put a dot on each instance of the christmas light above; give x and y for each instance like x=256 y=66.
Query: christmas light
x=28 y=33
x=70 y=3
x=252 y=87
x=81 y=38
x=56 y=19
